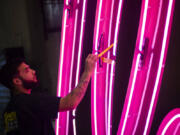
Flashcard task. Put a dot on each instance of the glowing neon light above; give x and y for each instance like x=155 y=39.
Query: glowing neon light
x=176 y=130
x=143 y=24
x=95 y=115
x=156 y=29
x=97 y=34
x=146 y=82
x=112 y=66
x=72 y=63
x=110 y=98
x=97 y=30
x=74 y=126
x=60 y=66
x=160 y=65
x=67 y=123
x=144 y=92
x=72 y=59
x=67 y=2
x=117 y=27
x=78 y=1
x=131 y=93
x=80 y=44
x=107 y=71
x=79 y=55
x=169 y=123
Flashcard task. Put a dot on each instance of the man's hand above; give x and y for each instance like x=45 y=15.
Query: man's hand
x=72 y=100
x=90 y=63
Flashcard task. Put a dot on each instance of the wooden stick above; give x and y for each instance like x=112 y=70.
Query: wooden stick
x=107 y=49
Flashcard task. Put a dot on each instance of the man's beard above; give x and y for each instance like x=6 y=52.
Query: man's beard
x=29 y=84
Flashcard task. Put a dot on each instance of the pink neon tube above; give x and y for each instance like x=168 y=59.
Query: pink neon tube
x=67 y=55
x=159 y=74
x=94 y=116
x=107 y=114
x=144 y=83
x=112 y=75
x=60 y=65
x=170 y=124
x=79 y=53
x=107 y=23
x=150 y=64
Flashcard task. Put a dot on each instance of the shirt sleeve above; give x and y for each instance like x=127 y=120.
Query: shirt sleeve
x=40 y=104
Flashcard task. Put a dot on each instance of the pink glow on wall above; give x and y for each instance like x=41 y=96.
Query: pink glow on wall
x=170 y=124
x=161 y=64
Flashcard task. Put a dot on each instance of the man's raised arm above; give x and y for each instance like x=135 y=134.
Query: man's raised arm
x=72 y=100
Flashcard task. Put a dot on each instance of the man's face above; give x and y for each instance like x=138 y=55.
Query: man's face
x=27 y=76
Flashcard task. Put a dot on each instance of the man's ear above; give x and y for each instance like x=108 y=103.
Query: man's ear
x=17 y=81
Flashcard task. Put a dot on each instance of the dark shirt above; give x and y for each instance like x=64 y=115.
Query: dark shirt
x=31 y=114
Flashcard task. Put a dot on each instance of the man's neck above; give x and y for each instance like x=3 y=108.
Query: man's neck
x=22 y=90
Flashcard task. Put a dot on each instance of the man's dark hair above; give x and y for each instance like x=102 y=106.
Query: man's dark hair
x=9 y=71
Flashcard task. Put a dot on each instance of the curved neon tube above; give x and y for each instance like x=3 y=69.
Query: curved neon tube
x=160 y=65
x=153 y=43
x=176 y=130
x=131 y=93
x=144 y=92
x=169 y=123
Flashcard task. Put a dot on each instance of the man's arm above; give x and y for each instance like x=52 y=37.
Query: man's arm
x=72 y=100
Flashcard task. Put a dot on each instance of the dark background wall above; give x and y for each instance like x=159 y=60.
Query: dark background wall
x=22 y=25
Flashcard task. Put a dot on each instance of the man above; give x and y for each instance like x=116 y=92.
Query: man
x=31 y=114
